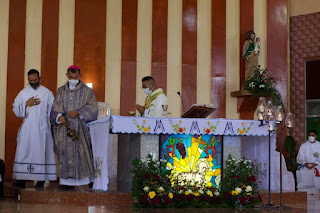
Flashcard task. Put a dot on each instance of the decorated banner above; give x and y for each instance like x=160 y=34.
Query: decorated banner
x=196 y=159
x=140 y=125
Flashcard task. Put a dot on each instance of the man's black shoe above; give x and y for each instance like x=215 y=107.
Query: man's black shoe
x=90 y=185
x=21 y=184
x=39 y=186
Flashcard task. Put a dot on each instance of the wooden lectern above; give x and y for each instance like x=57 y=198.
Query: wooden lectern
x=198 y=111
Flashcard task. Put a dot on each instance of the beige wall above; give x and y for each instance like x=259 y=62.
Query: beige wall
x=302 y=7
x=4 y=30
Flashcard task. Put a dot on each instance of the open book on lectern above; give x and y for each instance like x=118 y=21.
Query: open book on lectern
x=199 y=111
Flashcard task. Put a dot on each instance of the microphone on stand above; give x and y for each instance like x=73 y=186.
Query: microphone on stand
x=178 y=92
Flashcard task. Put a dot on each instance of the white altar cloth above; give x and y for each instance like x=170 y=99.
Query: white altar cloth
x=125 y=124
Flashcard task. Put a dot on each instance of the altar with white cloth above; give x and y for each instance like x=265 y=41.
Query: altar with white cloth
x=139 y=136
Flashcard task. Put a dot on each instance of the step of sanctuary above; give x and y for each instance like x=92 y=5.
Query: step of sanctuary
x=80 y=196
x=84 y=196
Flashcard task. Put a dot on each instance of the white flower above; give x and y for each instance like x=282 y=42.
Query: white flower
x=262 y=86
x=200 y=191
x=216 y=193
x=238 y=189
x=161 y=188
x=190 y=191
x=148 y=161
x=153 y=155
x=252 y=85
x=181 y=191
x=143 y=160
x=146 y=188
x=248 y=189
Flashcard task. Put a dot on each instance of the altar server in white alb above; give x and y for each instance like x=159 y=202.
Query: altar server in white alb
x=34 y=158
x=155 y=101
x=308 y=176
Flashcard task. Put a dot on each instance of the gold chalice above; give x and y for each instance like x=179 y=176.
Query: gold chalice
x=131 y=113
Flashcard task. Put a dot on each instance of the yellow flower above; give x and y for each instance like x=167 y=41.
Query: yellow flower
x=241 y=131
x=234 y=192
x=209 y=184
x=170 y=195
x=208 y=122
x=180 y=121
x=196 y=194
x=186 y=193
x=209 y=193
x=145 y=129
x=152 y=194
x=248 y=193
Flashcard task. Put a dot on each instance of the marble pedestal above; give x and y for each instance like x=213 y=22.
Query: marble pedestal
x=131 y=146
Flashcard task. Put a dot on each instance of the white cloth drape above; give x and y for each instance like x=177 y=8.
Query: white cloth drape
x=99 y=132
x=256 y=149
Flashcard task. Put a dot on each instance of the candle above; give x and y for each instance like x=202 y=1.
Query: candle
x=280 y=116
x=271 y=127
x=261 y=108
x=289 y=124
x=260 y=116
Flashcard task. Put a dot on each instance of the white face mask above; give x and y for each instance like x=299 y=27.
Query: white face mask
x=147 y=90
x=73 y=82
x=312 y=139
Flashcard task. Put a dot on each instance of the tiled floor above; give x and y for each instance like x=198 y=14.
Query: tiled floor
x=10 y=205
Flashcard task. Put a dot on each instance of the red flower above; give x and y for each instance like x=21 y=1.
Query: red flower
x=167 y=200
x=204 y=198
x=227 y=195
x=251 y=179
x=242 y=200
x=260 y=75
x=208 y=131
x=216 y=200
x=155 y=201
x=180 y=129
x=156 y=177
x=146 y=176
x=144 y=198
x=189 y=198
x=265 y=81
x=250 y=198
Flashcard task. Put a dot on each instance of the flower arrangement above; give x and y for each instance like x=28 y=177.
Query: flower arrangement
x=259 y=84
x=153 y=186
x=239 y=184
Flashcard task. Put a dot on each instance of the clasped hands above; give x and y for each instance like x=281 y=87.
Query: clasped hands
x=71 y=114
x=310 y=165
